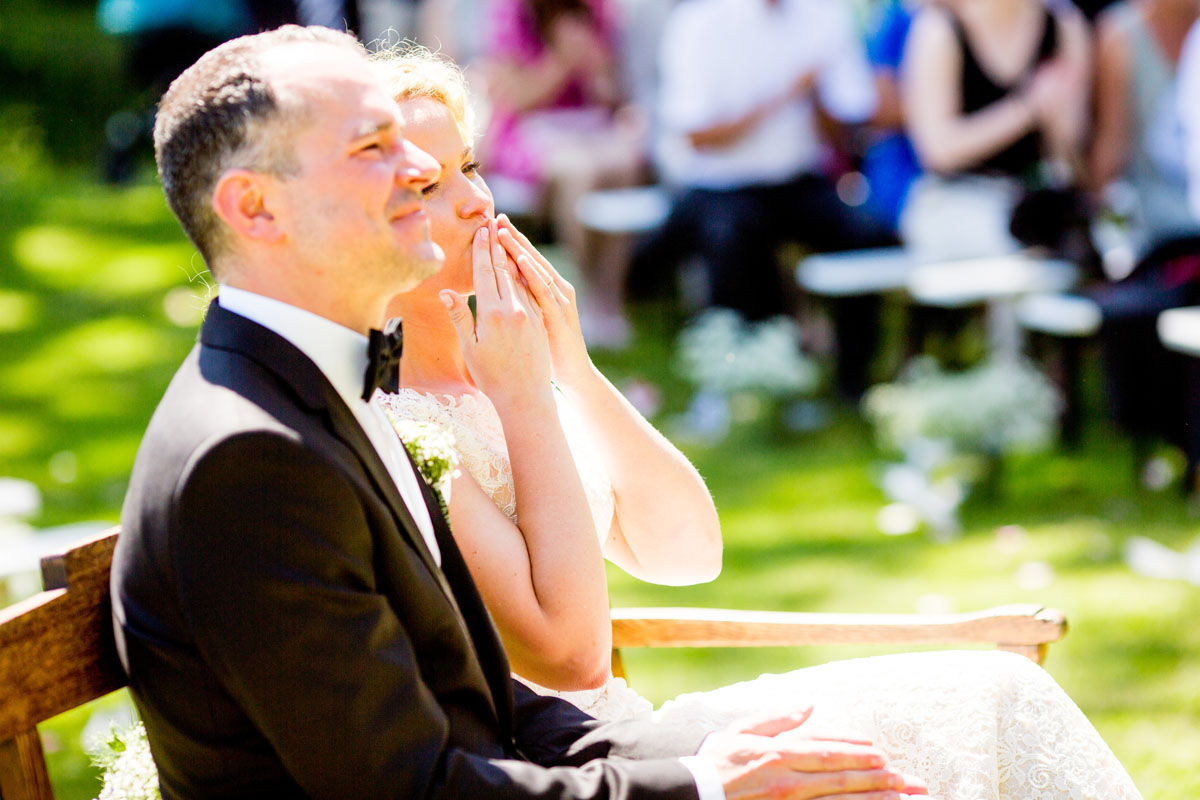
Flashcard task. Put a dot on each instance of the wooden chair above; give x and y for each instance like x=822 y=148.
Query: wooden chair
x=57 y=650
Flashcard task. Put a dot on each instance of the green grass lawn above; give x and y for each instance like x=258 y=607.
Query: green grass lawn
x=99 y=302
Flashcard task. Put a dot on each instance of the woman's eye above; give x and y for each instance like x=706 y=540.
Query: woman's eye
x=470 y=168
x=430 y=189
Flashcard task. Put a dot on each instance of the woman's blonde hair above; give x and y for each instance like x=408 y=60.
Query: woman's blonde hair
x=412 y=71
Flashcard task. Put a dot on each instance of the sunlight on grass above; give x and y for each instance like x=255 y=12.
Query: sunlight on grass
x=107 y=346
x=18 y=310
x=19 y=435
x=97 y=400
x=68 y=257
x=134 y=206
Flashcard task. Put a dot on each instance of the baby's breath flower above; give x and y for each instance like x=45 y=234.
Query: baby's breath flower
x=722 y=352
x=129 y=772
x=998 y=407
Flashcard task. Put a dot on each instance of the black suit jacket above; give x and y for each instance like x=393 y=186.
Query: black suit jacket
x=286 y=631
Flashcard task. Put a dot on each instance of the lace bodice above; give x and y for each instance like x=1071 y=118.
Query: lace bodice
x=483 y=453
x=479 y=440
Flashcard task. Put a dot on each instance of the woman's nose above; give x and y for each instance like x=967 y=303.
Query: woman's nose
x=474 y=200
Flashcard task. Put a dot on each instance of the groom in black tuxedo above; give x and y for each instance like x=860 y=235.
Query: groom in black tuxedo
x=292 y=612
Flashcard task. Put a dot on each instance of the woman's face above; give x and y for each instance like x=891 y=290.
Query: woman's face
x=458 y=202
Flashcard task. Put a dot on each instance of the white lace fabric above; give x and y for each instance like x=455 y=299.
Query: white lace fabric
x=974 y=725
x=479 y=440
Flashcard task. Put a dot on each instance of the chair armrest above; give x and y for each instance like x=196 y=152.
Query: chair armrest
x=1023 y=628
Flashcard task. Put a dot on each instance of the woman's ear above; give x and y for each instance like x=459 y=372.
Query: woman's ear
x=242 y=199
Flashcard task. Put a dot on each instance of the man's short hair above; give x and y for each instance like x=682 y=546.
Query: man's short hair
x=223 y=113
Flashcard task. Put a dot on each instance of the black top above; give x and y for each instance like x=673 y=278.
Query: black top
x=980 y=91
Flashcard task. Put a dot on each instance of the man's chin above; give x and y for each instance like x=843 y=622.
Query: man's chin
x=431 y=259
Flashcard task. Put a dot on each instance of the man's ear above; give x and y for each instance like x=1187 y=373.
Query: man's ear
x=242 y=199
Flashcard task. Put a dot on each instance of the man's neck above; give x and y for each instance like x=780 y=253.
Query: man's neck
x=359 y=314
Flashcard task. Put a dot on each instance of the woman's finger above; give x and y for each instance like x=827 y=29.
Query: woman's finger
x=506 y=224
x=538 y=284
x=500 y=263
x=536 y=265
x=509 y=241
x=484 y=274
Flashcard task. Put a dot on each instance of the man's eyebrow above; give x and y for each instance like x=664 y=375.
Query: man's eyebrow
x=373 y=128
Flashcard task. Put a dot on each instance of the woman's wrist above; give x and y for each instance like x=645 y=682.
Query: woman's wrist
x=1028 y=105
x=524 y=402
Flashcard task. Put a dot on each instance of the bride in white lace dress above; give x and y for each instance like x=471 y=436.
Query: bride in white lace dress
x=555 y=479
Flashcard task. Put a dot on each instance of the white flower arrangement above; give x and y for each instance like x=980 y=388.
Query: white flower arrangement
x=128 y=769
x=949 y=427
x=722 y=352
x=999 y=407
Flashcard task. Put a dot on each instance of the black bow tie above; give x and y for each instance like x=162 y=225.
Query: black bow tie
x=383 y=360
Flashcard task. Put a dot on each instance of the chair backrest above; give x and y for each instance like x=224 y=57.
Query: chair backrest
x=57 y=652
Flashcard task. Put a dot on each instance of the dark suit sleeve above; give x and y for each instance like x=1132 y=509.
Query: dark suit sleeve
x=272 y=554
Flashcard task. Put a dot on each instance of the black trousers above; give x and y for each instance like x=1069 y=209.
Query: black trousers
x=737 y=232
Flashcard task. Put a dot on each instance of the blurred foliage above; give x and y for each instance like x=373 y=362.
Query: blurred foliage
x=60 y=75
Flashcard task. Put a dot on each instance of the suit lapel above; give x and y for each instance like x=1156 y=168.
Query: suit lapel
x=226 y=330
x=481 y=629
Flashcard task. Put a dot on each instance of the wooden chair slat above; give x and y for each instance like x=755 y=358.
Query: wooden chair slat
x=23 y=773
x=57 y=649
x=1011 y=627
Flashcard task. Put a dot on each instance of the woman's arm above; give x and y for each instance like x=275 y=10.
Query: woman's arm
x=1064 y=112
x=574 y=49
x=946 y=139
x=1109 y=151
x=543 y=581
x=524 y=87
x=729 y=132
x=665 y=528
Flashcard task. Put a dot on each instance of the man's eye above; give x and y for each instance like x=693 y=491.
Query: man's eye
x=470 y=168
x=430 y=189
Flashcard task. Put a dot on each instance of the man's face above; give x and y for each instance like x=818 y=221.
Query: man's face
x=354 y=210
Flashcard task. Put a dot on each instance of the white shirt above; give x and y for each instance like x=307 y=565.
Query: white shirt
x=341 y=354
x=1189 y=114
x=720 y=59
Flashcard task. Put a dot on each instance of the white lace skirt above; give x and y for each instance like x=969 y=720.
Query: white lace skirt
x=975 y=725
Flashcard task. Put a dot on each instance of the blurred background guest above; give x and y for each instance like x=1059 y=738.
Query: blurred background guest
x=889 y=163
x=995 y=98
x=741 y=82
x=1137 y=138
x=1188 y=105
x=559 y=127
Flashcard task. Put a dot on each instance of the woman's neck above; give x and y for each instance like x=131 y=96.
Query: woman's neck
x=1169 y=22
x=432 y=360
x=993 y=12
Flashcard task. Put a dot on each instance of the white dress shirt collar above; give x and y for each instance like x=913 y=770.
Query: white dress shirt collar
x=340 y=353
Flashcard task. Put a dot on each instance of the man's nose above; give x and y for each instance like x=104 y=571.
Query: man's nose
x=417 y=169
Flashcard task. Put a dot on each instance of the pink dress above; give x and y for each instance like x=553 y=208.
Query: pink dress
x=516 y=141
